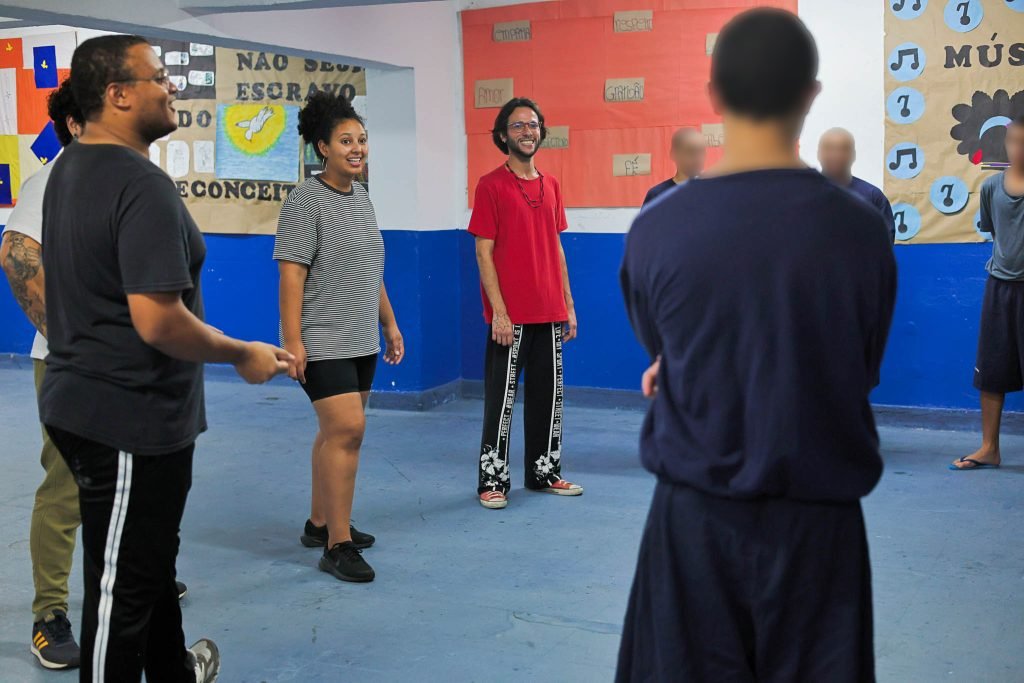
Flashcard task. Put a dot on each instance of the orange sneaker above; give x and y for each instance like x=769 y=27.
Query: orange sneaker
x=563 y=488
x=493 y=500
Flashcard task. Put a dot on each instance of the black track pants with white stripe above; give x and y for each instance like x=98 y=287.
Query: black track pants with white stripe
x=131 y=513
x=537 y=351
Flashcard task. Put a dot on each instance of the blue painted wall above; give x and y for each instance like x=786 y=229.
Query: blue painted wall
x=432 y=280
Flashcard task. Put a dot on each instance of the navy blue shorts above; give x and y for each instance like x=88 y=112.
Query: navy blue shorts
x=749 y=590
x=326 y=378
x=999 y=368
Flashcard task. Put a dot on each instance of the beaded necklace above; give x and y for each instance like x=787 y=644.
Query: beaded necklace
x=532 y=203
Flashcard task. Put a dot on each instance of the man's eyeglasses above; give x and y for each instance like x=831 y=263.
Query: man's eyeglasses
x=520 y=126
x=162 y=78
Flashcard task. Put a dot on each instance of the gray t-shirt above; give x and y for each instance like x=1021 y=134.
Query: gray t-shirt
x=1003 y=216
x=336 y=235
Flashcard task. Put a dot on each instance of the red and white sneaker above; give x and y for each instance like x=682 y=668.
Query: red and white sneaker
x=493 y=500
x=563 y=488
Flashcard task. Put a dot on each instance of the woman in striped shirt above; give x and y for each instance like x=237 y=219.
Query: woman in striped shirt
x=330 y=254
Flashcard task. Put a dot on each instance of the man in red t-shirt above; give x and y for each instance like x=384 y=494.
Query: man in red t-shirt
x=517 y=216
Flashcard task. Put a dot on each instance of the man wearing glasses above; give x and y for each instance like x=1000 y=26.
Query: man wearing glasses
x=517 y=217
x=122 y=396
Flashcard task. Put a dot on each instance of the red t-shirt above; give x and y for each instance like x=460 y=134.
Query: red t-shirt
x=526 y=244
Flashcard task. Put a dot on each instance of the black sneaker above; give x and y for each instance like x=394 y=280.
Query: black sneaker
x=316 y=536
x=53 y=644
x=205 y=657
x=182 y=590
x=345 y=561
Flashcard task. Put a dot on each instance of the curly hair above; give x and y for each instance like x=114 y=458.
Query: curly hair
x=501 y=121
x=97 y=63
x=60 y=105
x=322 y=113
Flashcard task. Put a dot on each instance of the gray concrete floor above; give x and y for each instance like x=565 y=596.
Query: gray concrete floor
x=533 y=593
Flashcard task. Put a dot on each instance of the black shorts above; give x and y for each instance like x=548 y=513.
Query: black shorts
x=999 y=368
x=326 y=378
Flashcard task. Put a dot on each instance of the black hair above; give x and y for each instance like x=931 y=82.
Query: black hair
x=764 y=64
x=501 y=121
x=322 y=113
x=1017 y=120
x=97 y=63
x=60 y=105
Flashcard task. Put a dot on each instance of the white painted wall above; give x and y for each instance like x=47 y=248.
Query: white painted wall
x=420 y=164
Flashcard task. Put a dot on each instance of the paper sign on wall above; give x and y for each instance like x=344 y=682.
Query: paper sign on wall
x=714 y=134
x=624 y=90
x=709 y=43
x=512 y=32
x=637 y=21
x=492 y=93
x=558 y=138
x=624 y=165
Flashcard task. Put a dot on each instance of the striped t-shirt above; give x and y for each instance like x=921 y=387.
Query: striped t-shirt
x=334 y=233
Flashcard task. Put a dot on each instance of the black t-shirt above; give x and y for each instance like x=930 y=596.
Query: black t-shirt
x=769 y=296
x=659 y=189
x=113 y=225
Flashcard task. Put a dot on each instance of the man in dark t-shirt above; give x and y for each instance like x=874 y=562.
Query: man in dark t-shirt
x=517 y=218
x=122 y=396
x=766 y=293
x=837 y=151
x=688 y=153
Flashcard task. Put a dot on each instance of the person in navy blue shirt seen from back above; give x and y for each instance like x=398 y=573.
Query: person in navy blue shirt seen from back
x=765 y=294
x=837 y=151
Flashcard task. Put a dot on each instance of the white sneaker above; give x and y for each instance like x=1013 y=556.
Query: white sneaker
x=207 y=660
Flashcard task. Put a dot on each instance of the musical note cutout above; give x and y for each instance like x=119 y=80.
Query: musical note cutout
x=908 y=221
x=908 y=9
x=1015 y=5
x=963 y=15
x=949 y=194
x=987 y=236
x=904 y=105
x=905 y=161
x=906 y=62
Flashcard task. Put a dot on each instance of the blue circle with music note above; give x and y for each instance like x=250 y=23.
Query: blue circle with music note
x=905 y=105
x=963 y=15
x=906 y=61
x=908 y=9
x=905 y=161
x=1015 y=5
x=949 y=194
x=987 y=236
x=907 y=220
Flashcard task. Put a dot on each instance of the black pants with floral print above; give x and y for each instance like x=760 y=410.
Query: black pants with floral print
x=537 y=350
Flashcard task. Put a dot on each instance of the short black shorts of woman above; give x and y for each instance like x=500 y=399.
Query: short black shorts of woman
x=336 y=376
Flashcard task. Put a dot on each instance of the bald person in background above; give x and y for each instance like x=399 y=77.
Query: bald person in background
x=836 y=154
x=688 y=155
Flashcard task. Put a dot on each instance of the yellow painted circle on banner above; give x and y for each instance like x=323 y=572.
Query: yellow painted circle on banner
x=254 y=128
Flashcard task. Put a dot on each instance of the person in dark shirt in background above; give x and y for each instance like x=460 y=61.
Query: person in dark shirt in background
x=688 y=154
x=766 y=292
x=837 y=151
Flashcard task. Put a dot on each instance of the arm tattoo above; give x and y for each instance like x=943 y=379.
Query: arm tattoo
x=24 y=267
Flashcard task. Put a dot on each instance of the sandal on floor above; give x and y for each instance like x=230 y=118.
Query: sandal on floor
x=493 y=500
x=975 y=465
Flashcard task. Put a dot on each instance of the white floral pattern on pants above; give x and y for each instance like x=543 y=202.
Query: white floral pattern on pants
x=494 y=468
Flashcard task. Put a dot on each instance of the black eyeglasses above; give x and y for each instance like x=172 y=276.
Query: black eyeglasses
x=520 y=126
x=162 y=78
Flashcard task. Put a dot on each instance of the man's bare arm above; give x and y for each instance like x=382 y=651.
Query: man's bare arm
x=22 y=261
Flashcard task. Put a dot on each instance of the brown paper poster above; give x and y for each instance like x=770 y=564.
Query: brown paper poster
x=558 y=138
x=236 y=153
x=624 y=90
x=493 y=93
x=954 y=75
x=512 y=32
x=625 y=165
x=638 y=21
x=714 y=134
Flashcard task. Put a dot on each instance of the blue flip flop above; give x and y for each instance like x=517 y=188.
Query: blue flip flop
x=977 y=465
